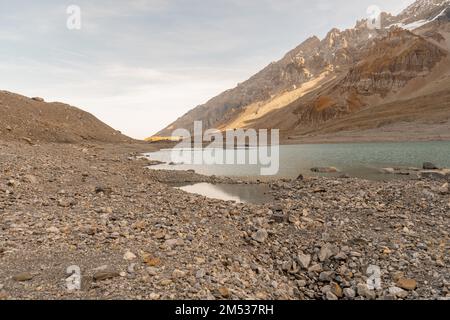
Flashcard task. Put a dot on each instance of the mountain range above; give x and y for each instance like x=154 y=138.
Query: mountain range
x=365 y=81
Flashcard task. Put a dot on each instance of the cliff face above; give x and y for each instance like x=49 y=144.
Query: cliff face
x=344 y=73
x=391 y=62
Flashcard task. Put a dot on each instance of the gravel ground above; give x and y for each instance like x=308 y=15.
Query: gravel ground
x=133 y=237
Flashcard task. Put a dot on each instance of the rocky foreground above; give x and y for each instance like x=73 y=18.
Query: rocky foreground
x=133 y=237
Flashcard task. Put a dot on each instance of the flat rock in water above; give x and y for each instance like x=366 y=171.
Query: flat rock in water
x=324 y=169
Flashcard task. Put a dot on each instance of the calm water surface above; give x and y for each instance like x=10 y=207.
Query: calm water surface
x=361 y=160
x=256 y=194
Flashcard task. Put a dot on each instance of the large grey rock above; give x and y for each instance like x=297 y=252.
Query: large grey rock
x=429 y=166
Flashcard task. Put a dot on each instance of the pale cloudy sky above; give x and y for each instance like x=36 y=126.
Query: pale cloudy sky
x=140 y=64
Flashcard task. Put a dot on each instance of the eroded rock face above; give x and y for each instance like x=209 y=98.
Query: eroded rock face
x=391 y=62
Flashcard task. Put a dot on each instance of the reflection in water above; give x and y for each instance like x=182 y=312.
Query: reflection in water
x=256 y=194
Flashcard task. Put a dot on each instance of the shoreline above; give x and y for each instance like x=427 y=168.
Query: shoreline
x=97 y=206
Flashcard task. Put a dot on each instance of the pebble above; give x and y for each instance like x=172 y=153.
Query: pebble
x=336 y=290
x=407 y=284
x=444 y=189
x=325 y=252
x=331 y=296
x=315 y=268
x=152 y=261
x=398 y=292
x=200 y=273
x=304 y=260
x=364 y=291
x=24 y=276
x=129 y=256
x=326 y=276
x=178 y=274
x=105 y=275
x=349 y=293
x=224 y=292
x=261 y=235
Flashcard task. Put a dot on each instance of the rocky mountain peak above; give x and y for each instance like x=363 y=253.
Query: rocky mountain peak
x=422 y=12
x=423 y=6
x=346 y=71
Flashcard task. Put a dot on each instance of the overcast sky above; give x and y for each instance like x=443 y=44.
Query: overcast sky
x=140 y=64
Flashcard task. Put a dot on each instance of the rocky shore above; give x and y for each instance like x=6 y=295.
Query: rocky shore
x=99 y=207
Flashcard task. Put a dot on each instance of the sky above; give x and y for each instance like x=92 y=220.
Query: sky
x=138 y=65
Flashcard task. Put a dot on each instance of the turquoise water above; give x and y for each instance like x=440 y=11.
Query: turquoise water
x=361 y=160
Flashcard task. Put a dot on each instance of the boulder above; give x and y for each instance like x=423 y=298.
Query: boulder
x=429 y=166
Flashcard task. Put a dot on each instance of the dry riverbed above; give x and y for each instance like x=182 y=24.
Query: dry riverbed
x=133 y=237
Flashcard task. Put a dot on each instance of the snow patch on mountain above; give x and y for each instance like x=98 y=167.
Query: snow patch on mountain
x=419 y=23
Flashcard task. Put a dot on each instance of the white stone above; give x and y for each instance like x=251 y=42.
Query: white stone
x=129 y=256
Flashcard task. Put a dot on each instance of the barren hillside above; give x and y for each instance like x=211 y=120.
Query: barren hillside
x=34 y=120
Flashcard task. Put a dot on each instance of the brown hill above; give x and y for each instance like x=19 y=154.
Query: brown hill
x=22 y=118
